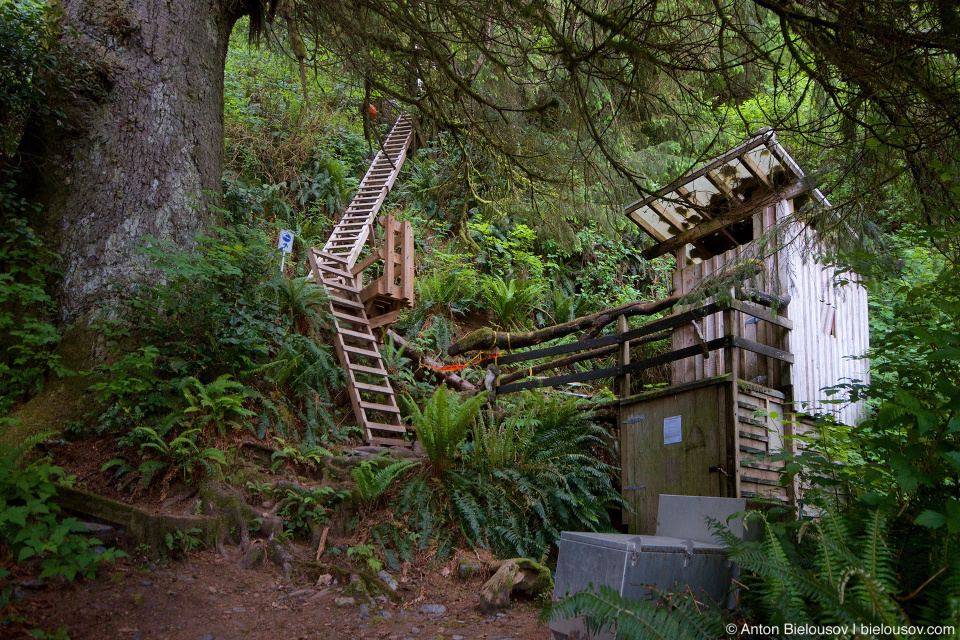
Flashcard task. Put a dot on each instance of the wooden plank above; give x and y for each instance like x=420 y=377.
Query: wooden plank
x=407 y=247
x=348 y=318
x=362 y=352
x=623 y=327
x=674 y=389
x=385 y=318
x=762 y=314
x=344 y=302
x=722 y=186
x=763 y=349
x=610 y=372
x=382 y=426
x=356 y=334
x=389 y=254
x=360 y=368
x=389 y=442
x=368 y=261
x=755 y=170
x=728 y=418
x=339 y=285
x=657 y=326
x=376 y=406
x=372 y=388
x=722 y=221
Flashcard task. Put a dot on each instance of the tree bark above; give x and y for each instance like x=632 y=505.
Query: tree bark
x=140 y=148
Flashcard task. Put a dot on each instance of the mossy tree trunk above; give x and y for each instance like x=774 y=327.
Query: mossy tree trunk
x=140 y=148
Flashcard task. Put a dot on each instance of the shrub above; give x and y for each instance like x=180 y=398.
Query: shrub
x=31 y=524
x=442 y=426
x=510 y=301
x=518 y=484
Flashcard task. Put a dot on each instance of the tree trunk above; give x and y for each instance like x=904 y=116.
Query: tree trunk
x=140 y=148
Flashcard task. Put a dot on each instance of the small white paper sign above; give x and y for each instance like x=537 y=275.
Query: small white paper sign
x=286 y=241
x=672 y=432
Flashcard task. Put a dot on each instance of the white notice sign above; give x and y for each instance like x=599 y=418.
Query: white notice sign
x=672 y=432
x=286 y=241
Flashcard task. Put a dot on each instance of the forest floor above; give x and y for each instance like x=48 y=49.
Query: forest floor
x=206 y=595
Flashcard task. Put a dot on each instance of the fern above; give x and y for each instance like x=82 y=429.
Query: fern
x=371 y=483
x=605 y=609
x=442 y=426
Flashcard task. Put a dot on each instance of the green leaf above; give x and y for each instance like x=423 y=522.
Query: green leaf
x=931 y=519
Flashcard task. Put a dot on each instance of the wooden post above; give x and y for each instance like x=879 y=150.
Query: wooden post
x=731 y=362
x=622 y=327
x=406 y=257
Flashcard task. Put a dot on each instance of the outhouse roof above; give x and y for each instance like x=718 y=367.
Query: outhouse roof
x=702 y=207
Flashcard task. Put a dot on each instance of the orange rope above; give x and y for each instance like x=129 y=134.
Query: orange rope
x=455 y=367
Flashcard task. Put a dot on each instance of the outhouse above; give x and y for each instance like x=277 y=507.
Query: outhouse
x=742 y=367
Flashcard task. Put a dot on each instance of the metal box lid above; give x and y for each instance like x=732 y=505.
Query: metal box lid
x=633 y=543
x=618 y=541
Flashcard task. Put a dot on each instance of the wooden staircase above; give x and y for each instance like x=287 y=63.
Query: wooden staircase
x=335 y=267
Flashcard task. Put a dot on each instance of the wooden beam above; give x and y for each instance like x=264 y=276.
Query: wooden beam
x=722 y=221
x=722 y=186
x=762 y=349
x=369 y=260
x=703 y=211
x=646 y=226
x=755 y=171
x=762 y=314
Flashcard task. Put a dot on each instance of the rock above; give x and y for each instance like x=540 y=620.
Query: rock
x=364 y=612
x=457 y=638
x=325 y=580
x=302 y=593
x=467 y=569
x=252 y=558
x=182 y=577
x=345 y=602
x=239 y=609
x=386 y=615
x=433 y=610
x=388 y=580
x=518 y=574
x=382 y=599
x=209 y=636
x=415 y=630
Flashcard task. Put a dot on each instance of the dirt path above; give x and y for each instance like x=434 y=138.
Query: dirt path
x=208 y=598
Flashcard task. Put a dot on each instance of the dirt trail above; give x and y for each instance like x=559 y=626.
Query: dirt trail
x=206 y=597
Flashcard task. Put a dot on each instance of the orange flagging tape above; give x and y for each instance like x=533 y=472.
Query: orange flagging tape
x=457 y=367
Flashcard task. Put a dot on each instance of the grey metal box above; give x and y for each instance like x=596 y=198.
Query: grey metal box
x=636 y=566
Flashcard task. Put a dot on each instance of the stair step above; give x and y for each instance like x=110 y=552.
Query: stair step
x=374 y=406
x=380 y=426
x=348 y=318
x=345 y=302
x=372 y=388
x=361 y=352
x=356 y=334
x=340 y=285
x=329 y=256
x=389 y=442
x=359 y=368
x=336 y=272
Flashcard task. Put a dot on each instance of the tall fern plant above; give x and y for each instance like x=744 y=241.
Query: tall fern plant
x=442 y=426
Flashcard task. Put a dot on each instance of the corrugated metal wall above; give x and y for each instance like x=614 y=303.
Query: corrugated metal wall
x=830 y=322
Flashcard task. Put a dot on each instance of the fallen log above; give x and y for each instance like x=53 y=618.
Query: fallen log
x=449 y=378
x=486 y=339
